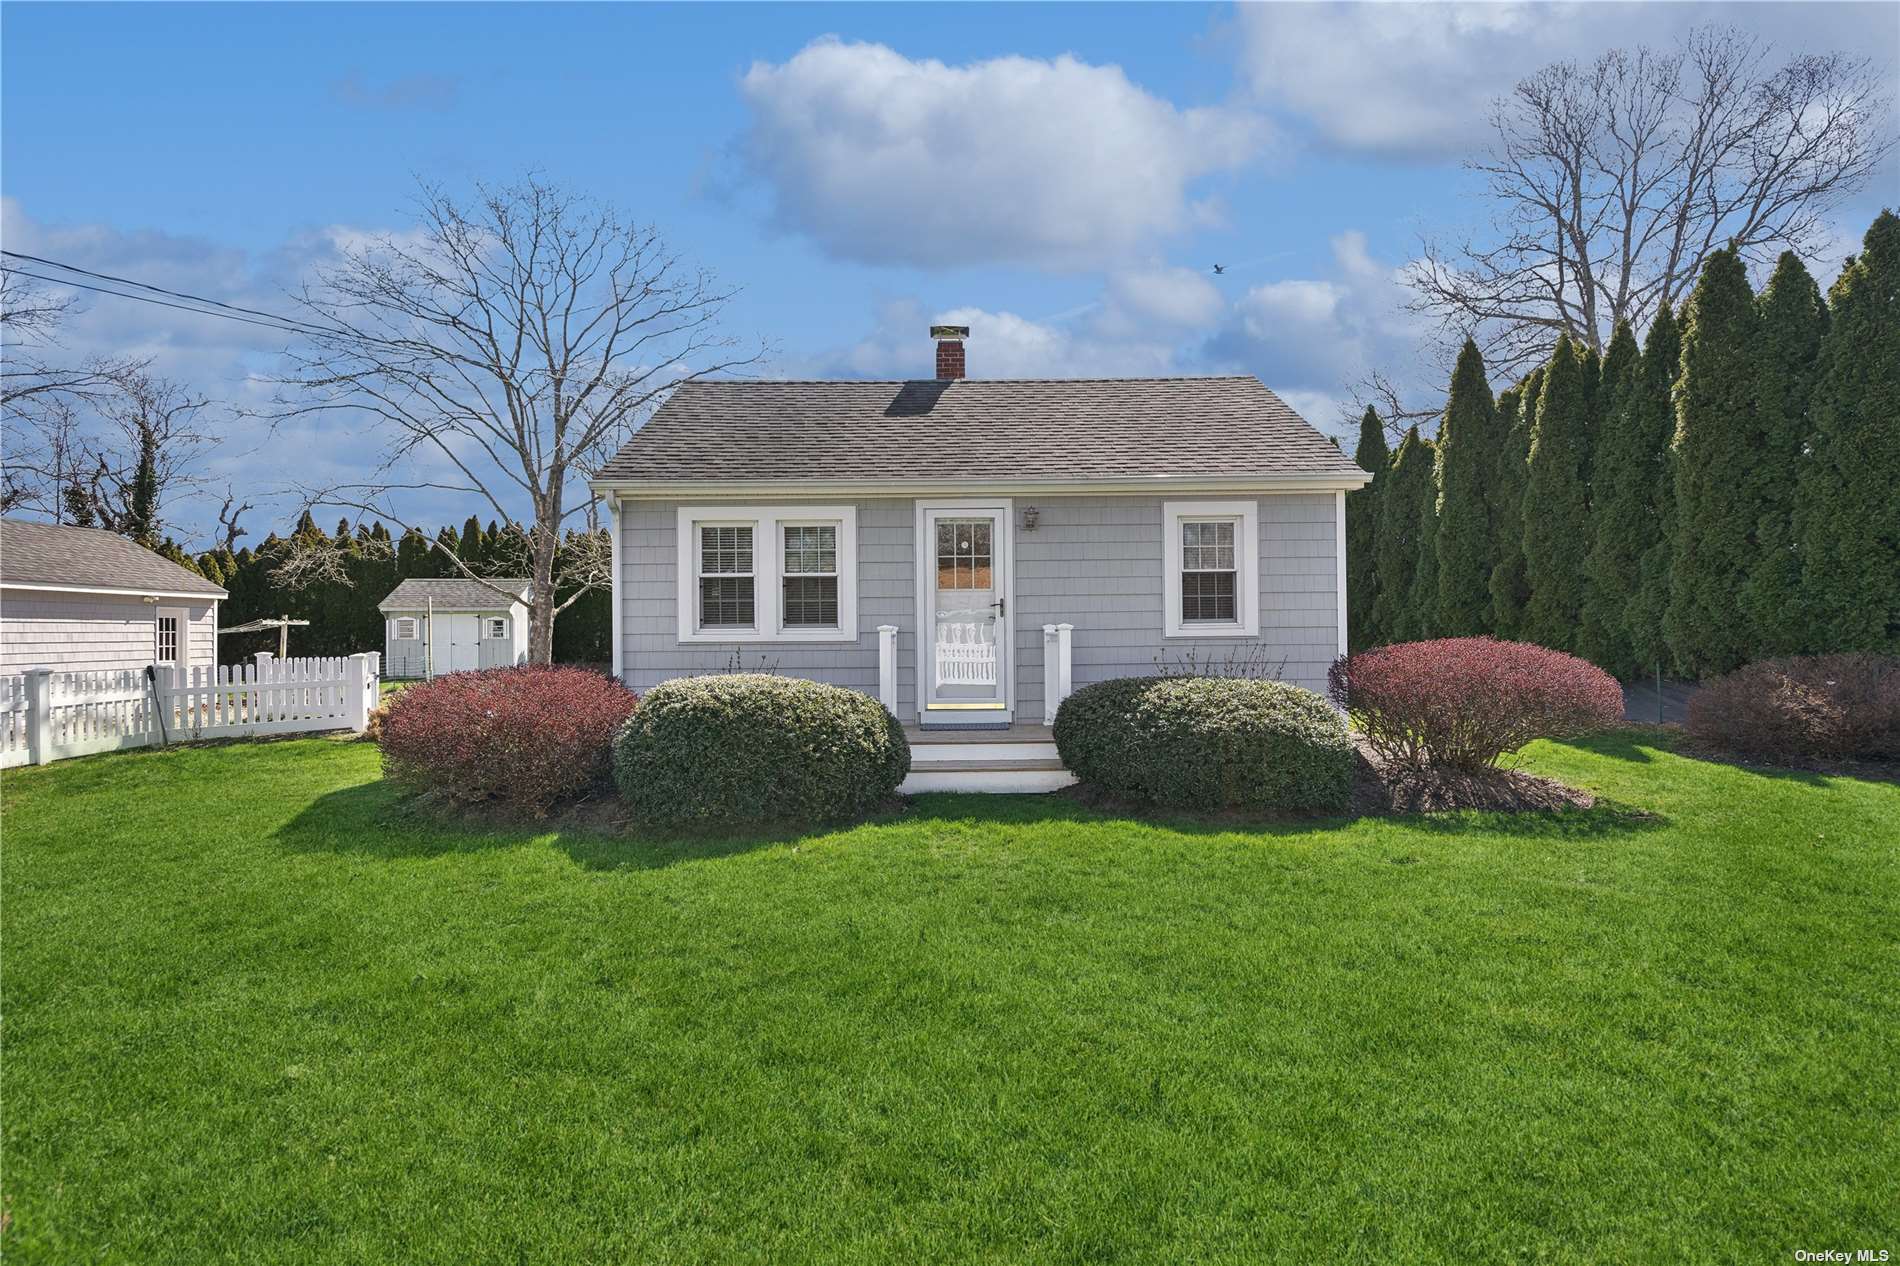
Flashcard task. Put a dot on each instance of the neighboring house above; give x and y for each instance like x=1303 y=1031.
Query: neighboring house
x=786 y=523
x=82 y=600
x=431 y=627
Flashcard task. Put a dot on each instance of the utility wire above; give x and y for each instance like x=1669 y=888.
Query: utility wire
x=120 y=294
x=145 y=285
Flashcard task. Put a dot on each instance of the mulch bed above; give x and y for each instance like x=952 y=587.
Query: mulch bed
x=1840 y=767
x=1381 y=790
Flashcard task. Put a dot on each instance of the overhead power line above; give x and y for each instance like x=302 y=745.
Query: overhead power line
x=213 y=307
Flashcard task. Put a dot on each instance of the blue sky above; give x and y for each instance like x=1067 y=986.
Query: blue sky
x=1060 y=176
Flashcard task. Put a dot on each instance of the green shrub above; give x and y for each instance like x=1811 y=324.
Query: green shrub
x=1207 y=742
x=748 y=747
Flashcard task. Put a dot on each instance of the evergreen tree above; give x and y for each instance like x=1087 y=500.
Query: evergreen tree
x=1619 y=512
x=1466 y=479
x=1718 y=474
x=1556 y=512
x=472 y=548
x=1793 y=320
x=1509 y=588
x=1405 y=506
x=1652 y=421
x=141 y=502
x=1362 y=534
x=1592 y=413
x=1847 y=519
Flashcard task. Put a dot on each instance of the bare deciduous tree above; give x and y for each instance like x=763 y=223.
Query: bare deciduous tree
x=46 y=402
x=1612 y=182
x=502 y=352
x=143 y=420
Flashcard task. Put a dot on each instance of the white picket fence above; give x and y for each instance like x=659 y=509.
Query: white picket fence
x=47 y=716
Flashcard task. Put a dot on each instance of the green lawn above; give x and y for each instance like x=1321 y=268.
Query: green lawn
x=255 y=1013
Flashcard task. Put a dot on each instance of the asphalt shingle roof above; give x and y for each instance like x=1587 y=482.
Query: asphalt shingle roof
x=975 y=429
x=54 y=554
x=456 y=594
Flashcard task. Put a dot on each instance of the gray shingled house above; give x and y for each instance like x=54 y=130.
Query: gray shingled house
x=971 y=550
x=82 y=600
x=431 y=627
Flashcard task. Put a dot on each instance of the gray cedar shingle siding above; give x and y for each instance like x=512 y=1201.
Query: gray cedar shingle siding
x=1094 y=562
x=85 y=632
x=975 y=429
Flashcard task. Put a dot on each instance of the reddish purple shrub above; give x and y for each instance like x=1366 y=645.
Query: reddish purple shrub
x=1462 y=702
x=1802 y=708
x=524 y=737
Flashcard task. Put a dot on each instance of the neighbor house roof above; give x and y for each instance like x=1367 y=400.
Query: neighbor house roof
x=88 y=560
x=456 y=594
x=977 y=430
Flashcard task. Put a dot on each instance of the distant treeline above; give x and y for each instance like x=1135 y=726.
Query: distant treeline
x=1726 y=492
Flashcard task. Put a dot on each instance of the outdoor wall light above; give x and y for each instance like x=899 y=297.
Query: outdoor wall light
x=1030 y=514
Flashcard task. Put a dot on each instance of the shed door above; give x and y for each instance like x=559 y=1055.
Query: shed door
x=455 y=643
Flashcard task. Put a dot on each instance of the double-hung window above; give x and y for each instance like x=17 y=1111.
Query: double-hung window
x=809 y=581
x=1211 y=552
x=167 y=639
x=728 y=594
x=767 y=573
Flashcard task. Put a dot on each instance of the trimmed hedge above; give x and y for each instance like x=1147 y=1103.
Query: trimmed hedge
x=749 y=747
x=1462 y=702
x=1207 y=742
x=1805 y=707
x=525 y=737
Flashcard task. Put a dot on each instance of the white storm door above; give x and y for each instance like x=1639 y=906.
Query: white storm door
x=964 y=555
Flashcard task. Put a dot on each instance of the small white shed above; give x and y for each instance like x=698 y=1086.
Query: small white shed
x=431 y=627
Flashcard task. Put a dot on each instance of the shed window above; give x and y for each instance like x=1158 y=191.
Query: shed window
x=1211 y=550
x=406 y=628
x=497 y=626
x=168 y=639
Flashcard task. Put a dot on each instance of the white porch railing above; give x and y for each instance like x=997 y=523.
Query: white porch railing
x=1057 y=674
x=47 y=716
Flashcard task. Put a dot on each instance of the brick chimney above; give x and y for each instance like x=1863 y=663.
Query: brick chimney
x=949 y=349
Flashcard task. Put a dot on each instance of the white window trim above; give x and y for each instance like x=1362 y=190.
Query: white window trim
x=415 y=628
x=1246 y=515
x=488 y=628
x=768 y=571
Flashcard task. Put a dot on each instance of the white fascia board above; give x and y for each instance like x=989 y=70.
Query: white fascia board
x=177 y=595
x=1145 y=485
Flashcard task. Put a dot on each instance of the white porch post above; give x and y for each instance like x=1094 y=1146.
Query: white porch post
x=357 y=683
x=887 y=667
x=1057 y=640
x=1064 y=677
x=39 y=715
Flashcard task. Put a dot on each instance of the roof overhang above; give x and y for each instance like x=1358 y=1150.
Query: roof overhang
x=203 y=595
x=1139 y=485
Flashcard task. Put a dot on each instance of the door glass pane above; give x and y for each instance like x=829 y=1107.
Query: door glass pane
x=964 y=559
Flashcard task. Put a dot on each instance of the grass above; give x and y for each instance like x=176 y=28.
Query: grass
x=256 y=1013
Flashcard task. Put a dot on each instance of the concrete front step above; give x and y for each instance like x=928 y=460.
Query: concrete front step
x=1020 y=758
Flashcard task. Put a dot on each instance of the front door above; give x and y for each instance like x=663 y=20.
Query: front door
x=965 y=650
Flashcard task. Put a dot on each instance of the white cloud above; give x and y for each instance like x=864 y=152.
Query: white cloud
x=1417 y=80
x=1061 y=164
